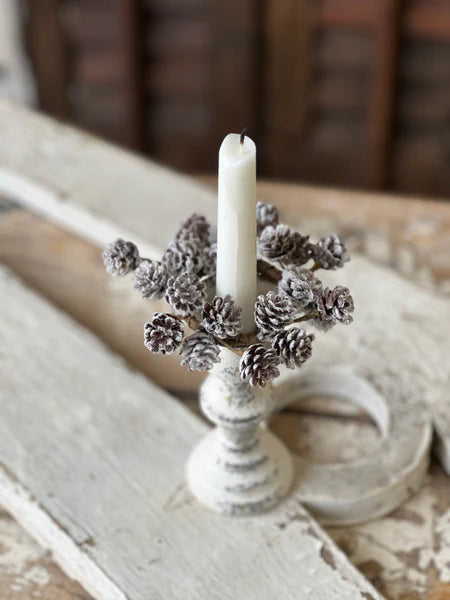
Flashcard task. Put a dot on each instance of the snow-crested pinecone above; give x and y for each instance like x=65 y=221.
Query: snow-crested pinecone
x=222 y=317
x=301 y=285
x=293 y=346
x=120 y=258
x=209 y=261
x=330 y=252
x=259 y=365
x=266 y=214
x=182 y=256
x=186 y=294
x=273 y=312
x=194 y=229
x=283 y=244
x=334 y=306
x=150 y=279
x=164 y=334
x=199 y=351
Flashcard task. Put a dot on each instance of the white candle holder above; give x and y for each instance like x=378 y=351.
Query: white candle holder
x=239 y=468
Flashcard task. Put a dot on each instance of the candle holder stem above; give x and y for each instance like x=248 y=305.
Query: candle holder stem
x=239 y=468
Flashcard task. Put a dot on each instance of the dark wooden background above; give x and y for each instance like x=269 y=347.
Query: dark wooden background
x=345 y=92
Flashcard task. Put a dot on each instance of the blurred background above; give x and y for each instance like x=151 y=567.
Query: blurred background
x=343 y=92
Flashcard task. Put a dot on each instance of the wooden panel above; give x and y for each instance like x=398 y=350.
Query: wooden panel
x=287 y=34
x=235 y=39
x=346 y=13
x=49 y=56
x=343 y=50
x=381 y=108
x=427 y=19
x=130 y=47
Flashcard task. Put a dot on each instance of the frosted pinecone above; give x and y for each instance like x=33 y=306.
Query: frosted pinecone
x=199 y=352
x=330 y=252
x=186 y=294
x=195 y=230
x=266 y=214
x=334 y=306
x=184 y=256
x=150 y=279
x=301 y=253
x=273 y=312
x=222 y=317
x=209 y=261
x=120 y=257
x=163 y=334
x=259 y=365
x=280 y=243
x=293 y=346
x=301 y=286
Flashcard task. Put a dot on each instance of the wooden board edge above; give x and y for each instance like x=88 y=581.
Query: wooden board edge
x=53 y=206
x=53 y=537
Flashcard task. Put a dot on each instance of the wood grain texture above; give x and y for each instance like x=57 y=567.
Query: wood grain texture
x=93 y=466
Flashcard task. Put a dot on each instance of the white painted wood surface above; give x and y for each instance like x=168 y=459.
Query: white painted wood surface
x=101 y=193
x=92 y=457
x=92 y=187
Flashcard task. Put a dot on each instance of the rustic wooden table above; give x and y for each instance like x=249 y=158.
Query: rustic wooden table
x=402 y=554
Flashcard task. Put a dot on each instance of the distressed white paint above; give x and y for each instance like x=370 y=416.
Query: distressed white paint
x=238 y=468
x=92 y=187
x=92 y=459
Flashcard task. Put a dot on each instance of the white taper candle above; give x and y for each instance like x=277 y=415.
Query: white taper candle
x=236 y=224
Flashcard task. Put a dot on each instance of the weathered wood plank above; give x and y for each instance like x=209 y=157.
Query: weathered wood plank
x=92 y=463
x=91 y=187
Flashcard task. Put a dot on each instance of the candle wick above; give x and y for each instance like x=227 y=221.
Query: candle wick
x=242 y=136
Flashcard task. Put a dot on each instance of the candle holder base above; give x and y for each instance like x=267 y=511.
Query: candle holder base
x=240 y=482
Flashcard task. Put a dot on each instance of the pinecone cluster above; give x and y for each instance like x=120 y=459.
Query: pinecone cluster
x=259 y=365
x=150 y=279
x=301 y=286
x=164 y=334
x=222 y=317
x=190 y=260
x=266 y=214
x=120 y=258
x=186 y=294
x=293 y=346
x=280 y=244
x=272 y=313
x=334 y=306
x=199 y=351
x=330 y=252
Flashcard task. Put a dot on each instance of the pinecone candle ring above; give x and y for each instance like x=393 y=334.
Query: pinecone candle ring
x=239 y=467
